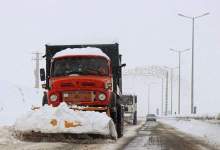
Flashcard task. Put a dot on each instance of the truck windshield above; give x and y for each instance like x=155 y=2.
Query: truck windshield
x=79 y=65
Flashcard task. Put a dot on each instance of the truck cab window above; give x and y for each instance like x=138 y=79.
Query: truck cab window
x=80 y=65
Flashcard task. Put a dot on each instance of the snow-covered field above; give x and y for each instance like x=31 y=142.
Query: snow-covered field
x=16 y=100
x=206 y=130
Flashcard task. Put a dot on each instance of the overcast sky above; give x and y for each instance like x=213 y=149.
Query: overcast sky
x=145 y=30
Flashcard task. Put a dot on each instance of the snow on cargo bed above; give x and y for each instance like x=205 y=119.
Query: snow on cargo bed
x=62 y=119
x=81 y=51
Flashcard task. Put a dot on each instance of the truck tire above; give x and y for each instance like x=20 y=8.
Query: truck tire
x=120 y=120
x=44 y=100
x=135 y=118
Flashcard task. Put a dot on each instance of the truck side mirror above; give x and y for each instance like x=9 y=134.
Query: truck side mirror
x=42 y=74
x=122 y=65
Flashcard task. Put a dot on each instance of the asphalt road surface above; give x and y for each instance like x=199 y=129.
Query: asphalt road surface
x=158 y=136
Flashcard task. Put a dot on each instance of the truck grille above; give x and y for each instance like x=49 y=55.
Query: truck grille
x=75 y=97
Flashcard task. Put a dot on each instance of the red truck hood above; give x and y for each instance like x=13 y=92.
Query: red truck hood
x=79 y=82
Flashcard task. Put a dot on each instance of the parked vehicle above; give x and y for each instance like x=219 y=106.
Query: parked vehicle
x=151 y=117
x=130 y=104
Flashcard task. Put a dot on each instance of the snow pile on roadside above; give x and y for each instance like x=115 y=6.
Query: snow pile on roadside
x=81 y=51
x=16 y=100
x=6 y=136
x=204 y=116
x=61 y=119
x=210 y=132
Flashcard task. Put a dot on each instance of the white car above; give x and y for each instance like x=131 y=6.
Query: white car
x=151 y=117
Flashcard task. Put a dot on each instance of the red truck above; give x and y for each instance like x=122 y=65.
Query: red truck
x=93 y=80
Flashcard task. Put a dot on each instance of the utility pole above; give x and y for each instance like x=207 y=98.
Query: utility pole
x=166 y=102
x=192 y=73
x=37 y=68
x=179 y=55
x=162 y=98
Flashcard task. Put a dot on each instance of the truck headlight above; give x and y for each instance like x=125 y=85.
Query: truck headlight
x=102 y=97
x=53 y=97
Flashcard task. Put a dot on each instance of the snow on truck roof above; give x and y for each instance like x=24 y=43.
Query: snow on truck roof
x=81 y=51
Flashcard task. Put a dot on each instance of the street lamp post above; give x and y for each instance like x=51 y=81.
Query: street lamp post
x=179 y=54
x=192 y=75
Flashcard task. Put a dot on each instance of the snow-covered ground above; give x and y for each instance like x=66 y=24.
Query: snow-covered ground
x=8 y=142
x=16 y=100
x=206 y=130
x=6 y=136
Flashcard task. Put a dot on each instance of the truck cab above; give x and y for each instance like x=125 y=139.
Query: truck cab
x=85 y=75
x=80 y=79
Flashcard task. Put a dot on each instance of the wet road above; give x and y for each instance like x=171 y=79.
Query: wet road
x=157 y=136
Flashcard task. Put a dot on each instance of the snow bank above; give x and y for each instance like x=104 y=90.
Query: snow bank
x=200 y=116
x=210 y=132
x=61 y=119
x=81 y=51
x=16 y=100
x=6 y=136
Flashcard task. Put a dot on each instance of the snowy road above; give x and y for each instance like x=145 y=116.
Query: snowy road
x=152 y=136
x=158 y=136
x=8 y=142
